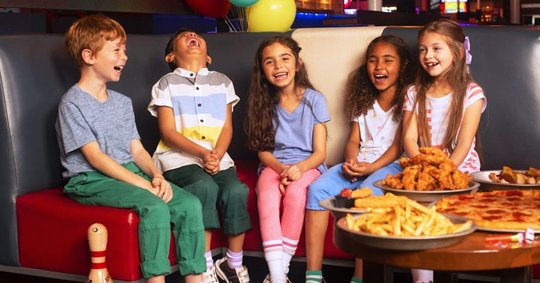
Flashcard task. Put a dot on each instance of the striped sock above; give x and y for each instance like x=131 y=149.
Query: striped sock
x=313 y=276
x=357 y=280
x=235 y=260
x=272 y=254
x=209 y=260
x=289 y=249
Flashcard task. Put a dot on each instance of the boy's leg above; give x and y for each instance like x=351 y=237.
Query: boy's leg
x=232 y=201
x=188 y=230
x=193 y=179
x=94 y=188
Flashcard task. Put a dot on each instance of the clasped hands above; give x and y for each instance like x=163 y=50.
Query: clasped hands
x=211 y=160
x=289 y=174
x=353 y=169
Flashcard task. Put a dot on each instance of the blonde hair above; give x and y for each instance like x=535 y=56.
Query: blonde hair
x=91 y=32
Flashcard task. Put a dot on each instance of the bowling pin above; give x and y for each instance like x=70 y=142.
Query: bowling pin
x=97 y=240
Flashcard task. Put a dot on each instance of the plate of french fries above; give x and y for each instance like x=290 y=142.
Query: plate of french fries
x=398 y=223
x=508 y=179
x=428 y=196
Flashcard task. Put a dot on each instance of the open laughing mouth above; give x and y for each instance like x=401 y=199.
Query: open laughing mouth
x=193 y=43
x=119 y=67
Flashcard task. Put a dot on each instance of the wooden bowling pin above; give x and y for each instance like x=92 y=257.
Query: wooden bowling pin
x=97 y=240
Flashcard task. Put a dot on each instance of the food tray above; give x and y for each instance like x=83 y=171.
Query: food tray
x=428 y=196
x=487 y=185
x=408 y=243
x=339 y=212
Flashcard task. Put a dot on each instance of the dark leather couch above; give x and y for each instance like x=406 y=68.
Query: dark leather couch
x=44 y=233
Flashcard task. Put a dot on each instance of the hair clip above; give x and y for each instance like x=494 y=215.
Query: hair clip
x=467 y=46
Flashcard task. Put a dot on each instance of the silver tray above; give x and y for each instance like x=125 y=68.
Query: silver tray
x=408 y=243
x=487 y=185
x=339 y=212
x=428 y=196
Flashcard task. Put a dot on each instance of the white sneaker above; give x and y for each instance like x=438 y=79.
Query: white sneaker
x=228 y=275
x=210 y=276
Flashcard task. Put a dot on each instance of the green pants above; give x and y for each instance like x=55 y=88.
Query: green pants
x=182 y=213
x=223 y=190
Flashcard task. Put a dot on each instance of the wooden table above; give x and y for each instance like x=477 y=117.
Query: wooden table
x=471 y=254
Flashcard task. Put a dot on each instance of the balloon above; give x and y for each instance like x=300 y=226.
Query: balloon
x=243 y=3
x=271 y=15
x=210 y=8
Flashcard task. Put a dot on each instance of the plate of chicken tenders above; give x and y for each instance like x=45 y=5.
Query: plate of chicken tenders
x=427 y=177
x=399 y=223
x=508 y=179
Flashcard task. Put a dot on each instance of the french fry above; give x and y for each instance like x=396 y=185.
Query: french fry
x=406 y=218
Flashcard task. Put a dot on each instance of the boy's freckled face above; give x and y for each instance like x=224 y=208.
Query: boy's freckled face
x=111 y=60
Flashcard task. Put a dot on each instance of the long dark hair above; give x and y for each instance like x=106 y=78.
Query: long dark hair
x=362 y=93
x=263 y=97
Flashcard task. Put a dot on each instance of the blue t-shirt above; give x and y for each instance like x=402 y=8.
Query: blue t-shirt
x=294 y=131
x=83 y=119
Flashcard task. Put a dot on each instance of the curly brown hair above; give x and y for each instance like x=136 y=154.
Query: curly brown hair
x=262 y=97
x=362 y=93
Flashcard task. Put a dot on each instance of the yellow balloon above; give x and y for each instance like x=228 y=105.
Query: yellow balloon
x=271 y=15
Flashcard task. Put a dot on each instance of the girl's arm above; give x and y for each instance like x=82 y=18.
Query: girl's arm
x=167 y=129
x=319 y=149
x=226 y=134
x=353 y=143
x=467 y=132
x=410 y=134
x=268 y=160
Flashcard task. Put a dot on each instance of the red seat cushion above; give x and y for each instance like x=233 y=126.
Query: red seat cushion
x=52 y=232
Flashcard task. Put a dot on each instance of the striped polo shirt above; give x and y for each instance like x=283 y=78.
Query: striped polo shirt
x=199 y=102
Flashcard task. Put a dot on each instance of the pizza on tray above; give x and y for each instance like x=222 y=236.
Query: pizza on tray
x=496 y=210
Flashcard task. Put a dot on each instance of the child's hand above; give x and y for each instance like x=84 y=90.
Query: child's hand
x=292 y=172
x=162 y=188
x=348 y=170
x=211 y=162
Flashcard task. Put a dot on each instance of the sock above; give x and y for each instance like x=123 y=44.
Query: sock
x=235 y=260
x=289 y=249
x=357 y=280
x=272 y=253
x=209 y=260
x=313 y=276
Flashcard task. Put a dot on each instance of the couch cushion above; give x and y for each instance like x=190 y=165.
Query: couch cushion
x=53 y=235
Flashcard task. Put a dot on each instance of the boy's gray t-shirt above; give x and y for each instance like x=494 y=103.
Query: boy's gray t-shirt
x=83 y=119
